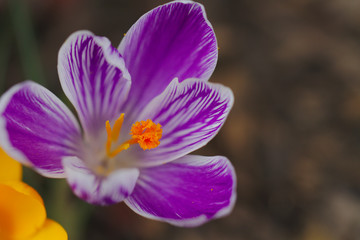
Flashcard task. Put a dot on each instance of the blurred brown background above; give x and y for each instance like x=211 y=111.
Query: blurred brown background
x=293 y=134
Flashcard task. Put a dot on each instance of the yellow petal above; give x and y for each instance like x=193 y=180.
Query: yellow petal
x=22 y=212
x=9 y=168
x=50 y=230
x=22 y=187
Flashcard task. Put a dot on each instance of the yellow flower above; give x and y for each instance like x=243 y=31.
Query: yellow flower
x=22 y=210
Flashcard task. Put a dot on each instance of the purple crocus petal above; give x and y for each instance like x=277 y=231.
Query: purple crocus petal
x=96 y=189
x=37 y=129
x=93 y=76
x=191 y=113
x=172 y=40
x=186 y=192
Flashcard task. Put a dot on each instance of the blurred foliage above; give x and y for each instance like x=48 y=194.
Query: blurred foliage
x=293 y=134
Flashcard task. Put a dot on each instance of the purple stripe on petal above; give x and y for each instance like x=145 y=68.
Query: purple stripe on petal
x=172 y=40
x=37 y=129
x=191 y=113
x=101 y=190
x=93 y=76
x=186 y=192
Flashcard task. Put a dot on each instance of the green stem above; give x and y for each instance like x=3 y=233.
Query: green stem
x=70 y=212
x=5 y=47
x=26 y=40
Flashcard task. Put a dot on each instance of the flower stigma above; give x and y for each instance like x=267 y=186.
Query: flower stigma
x=146 y=133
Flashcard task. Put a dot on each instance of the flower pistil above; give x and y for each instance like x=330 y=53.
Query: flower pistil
x=146 y=133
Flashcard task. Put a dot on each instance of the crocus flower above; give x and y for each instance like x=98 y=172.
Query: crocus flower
x=142 y=107
x=22 y=211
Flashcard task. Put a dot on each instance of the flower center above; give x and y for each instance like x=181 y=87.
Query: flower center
x=146 y=133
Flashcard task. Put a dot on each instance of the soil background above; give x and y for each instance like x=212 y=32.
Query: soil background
x=293 y=134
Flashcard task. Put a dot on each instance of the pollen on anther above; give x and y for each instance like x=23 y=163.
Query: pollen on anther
x=146 y=133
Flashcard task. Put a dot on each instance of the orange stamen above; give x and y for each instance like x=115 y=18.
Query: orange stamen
x=109 y=139
x=117 y=128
